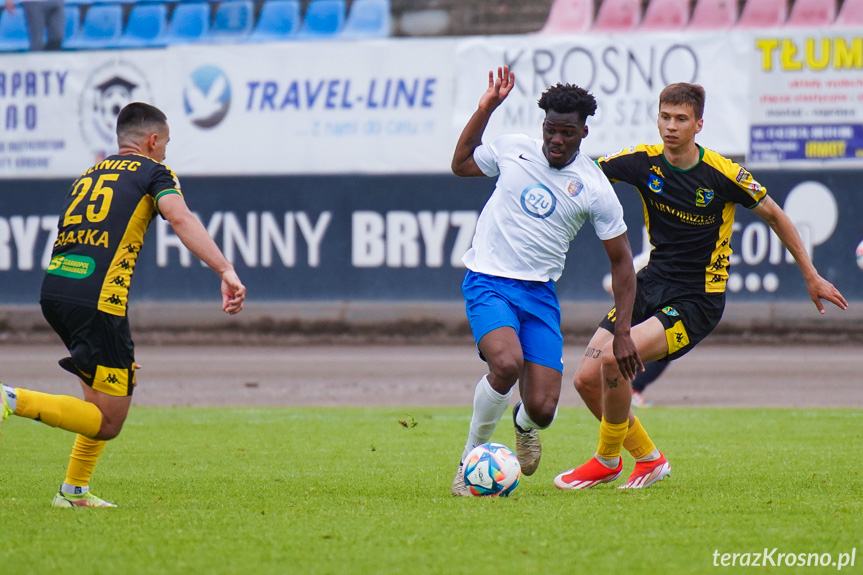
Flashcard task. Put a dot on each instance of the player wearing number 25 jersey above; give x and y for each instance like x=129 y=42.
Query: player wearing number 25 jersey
x=94 y=255
x=86 y=289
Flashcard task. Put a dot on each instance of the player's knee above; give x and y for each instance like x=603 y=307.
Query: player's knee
x=542 y=413
x=609 y=362
x=507 y=368
x=585 y=385
x=109 y=430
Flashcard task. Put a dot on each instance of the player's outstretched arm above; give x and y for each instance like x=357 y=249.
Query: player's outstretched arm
x=623 y=289
x=463 y=163
x=818 y=287
x=195 y=237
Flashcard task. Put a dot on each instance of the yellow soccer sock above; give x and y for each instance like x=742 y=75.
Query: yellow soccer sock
x=85 y=454
x=63 y=411
x=637 y=442
x=611 y=437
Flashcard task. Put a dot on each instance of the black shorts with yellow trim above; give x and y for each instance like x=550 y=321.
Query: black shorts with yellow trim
x=100 y=345
x=688 y=317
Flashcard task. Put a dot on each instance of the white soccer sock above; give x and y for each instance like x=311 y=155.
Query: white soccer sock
x=11 y=397
x=488 y=408
x=74 y=489
x=652 y=456
x=610 y=462
x=526 y=423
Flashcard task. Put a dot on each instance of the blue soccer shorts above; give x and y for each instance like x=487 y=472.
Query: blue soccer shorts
x=529 y=307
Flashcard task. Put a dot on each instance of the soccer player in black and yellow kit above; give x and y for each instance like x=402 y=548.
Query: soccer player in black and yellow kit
x=85 y=290
x=690 y=194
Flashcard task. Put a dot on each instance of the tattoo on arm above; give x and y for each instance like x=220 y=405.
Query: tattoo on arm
x=592 y=353
x=611 y=382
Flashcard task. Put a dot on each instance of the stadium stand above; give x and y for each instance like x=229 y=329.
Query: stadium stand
x=618 y=15
x=665 y=15
x=13 y=31
x=763 y=14
x=368 y=19
x=101 y=28
x=189 y=23
x=278 y=20
x=812 y=13
x=233 y=21
x=323 y=19
x=146 y=26
x=851 y=13
x=569 y=16
x=713 y=14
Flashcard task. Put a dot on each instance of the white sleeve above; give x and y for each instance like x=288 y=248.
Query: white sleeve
x=487 y=156
x=606 y=213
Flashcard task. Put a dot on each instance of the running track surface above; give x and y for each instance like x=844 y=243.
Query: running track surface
x=441 y=375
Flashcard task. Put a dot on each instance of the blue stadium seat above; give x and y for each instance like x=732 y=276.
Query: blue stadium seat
x=323 y=19
x=190 y=23
x=101 y=28
x=368 y=19
x=233 y=21
x=13 y=31
x=279 y=20
x=73 y=21
x=146 y=26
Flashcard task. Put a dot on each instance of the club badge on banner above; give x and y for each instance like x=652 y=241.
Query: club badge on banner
x=59 y=111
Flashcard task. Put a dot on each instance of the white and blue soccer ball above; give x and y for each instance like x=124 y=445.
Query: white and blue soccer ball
x=491 y=469
x=859 y=255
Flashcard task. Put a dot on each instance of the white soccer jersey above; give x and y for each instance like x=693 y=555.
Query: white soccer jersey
x=525 y=228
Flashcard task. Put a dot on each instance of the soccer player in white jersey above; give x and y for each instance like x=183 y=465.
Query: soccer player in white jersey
x=545 y=191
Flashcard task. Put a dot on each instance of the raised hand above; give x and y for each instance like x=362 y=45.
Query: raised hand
x=498 y=89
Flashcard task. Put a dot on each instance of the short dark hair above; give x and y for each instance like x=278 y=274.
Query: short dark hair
x=567 y=98
x=138 y=115
x=683 y=94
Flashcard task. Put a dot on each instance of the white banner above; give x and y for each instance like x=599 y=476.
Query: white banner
x=384 y=106
x=59 y=110
x=806 y=102
x=625 y=73
x=312 y=107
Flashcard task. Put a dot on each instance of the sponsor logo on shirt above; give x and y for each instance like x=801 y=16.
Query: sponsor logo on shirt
x=657 y=171
x=703 y=197
x=538 y=201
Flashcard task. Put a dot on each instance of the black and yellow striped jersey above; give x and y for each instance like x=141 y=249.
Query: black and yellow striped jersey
x=101 y=231
x=688 y=213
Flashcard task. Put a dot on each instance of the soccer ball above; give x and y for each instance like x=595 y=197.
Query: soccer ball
x=859 y=255
x=491 y=469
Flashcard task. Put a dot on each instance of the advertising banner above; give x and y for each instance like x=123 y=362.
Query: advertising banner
x=59 y=110
x=403 y=237
x=625 y=73
x=806 y=98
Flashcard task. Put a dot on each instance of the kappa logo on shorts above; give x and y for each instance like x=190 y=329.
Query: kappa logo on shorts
x=538 y=201
x=670 y=311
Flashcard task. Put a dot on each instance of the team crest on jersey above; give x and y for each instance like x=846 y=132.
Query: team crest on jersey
x=573 y=188
x=654 y=184
x=703 y=197
x=538 y=201
x=670 y=311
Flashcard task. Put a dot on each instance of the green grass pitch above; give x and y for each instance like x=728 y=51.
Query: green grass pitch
x=366 y=490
